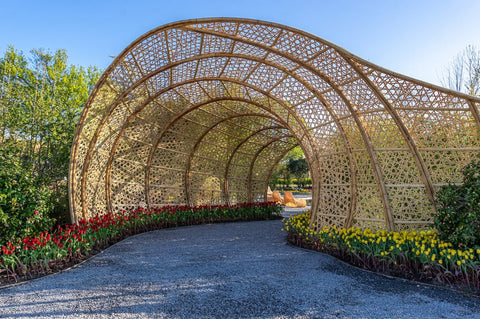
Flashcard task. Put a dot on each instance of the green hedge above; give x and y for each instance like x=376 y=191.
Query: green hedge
x=458 y=209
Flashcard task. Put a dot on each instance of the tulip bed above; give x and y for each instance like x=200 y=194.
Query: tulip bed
x=413 y=255
x=58 y=248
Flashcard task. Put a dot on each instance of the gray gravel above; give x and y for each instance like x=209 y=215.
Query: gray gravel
x=236 y=270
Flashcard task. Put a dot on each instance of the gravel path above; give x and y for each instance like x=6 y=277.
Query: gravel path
x=236 y=270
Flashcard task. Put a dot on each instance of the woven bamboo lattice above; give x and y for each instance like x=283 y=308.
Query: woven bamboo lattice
x=201 y=111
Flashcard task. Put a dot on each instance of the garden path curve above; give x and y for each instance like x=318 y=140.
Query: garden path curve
x=234 y=270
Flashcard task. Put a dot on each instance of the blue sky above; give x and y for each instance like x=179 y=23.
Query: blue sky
x=416 y=38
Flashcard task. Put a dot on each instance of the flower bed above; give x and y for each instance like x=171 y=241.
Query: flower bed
x=412 y=255
x=58 y=248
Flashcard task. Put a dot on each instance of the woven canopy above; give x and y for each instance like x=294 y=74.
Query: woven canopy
x=201 y=111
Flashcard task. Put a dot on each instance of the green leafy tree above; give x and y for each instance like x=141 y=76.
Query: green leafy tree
x=24 y=205
x=286 y=176
x=295 y=154
x=299 y=169
x=41 y=98
x=282 y=175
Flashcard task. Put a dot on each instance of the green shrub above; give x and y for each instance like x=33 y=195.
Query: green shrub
x=458 y=209
x=24 y=205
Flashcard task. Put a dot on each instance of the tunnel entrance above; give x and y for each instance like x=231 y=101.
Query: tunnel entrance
x=201 y=111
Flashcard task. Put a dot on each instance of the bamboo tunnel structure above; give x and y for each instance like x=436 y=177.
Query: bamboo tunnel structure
x=201 y=111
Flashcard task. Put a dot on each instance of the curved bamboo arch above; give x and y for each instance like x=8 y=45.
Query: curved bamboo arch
x=199 y=140
x=234 y=152
x=228 y=97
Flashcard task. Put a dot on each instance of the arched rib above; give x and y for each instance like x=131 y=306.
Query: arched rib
x=252 y=164
x=120 y=98
x=187 y=183
x=377 y=171
x=232 y=155
x=424 y=175
x=275 y=164
x=475 y=113
x=155 y=145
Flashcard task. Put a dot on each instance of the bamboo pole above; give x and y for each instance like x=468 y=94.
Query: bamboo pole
x=279 y=71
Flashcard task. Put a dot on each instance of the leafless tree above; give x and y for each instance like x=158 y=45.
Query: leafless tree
x=463 y=73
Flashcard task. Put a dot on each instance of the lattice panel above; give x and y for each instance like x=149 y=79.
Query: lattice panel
x=446 y=165
x=333 y=206
x=410 y=206
x=166 y=195
x=399 y=167
x=201 y=112
x=369 y=209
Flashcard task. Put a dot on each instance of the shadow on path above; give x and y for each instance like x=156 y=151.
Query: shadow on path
x=234 y=270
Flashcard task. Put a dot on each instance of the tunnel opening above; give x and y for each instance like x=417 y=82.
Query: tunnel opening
x=201 y=111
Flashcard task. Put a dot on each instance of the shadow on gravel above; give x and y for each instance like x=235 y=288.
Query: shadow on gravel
x=236 y=270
